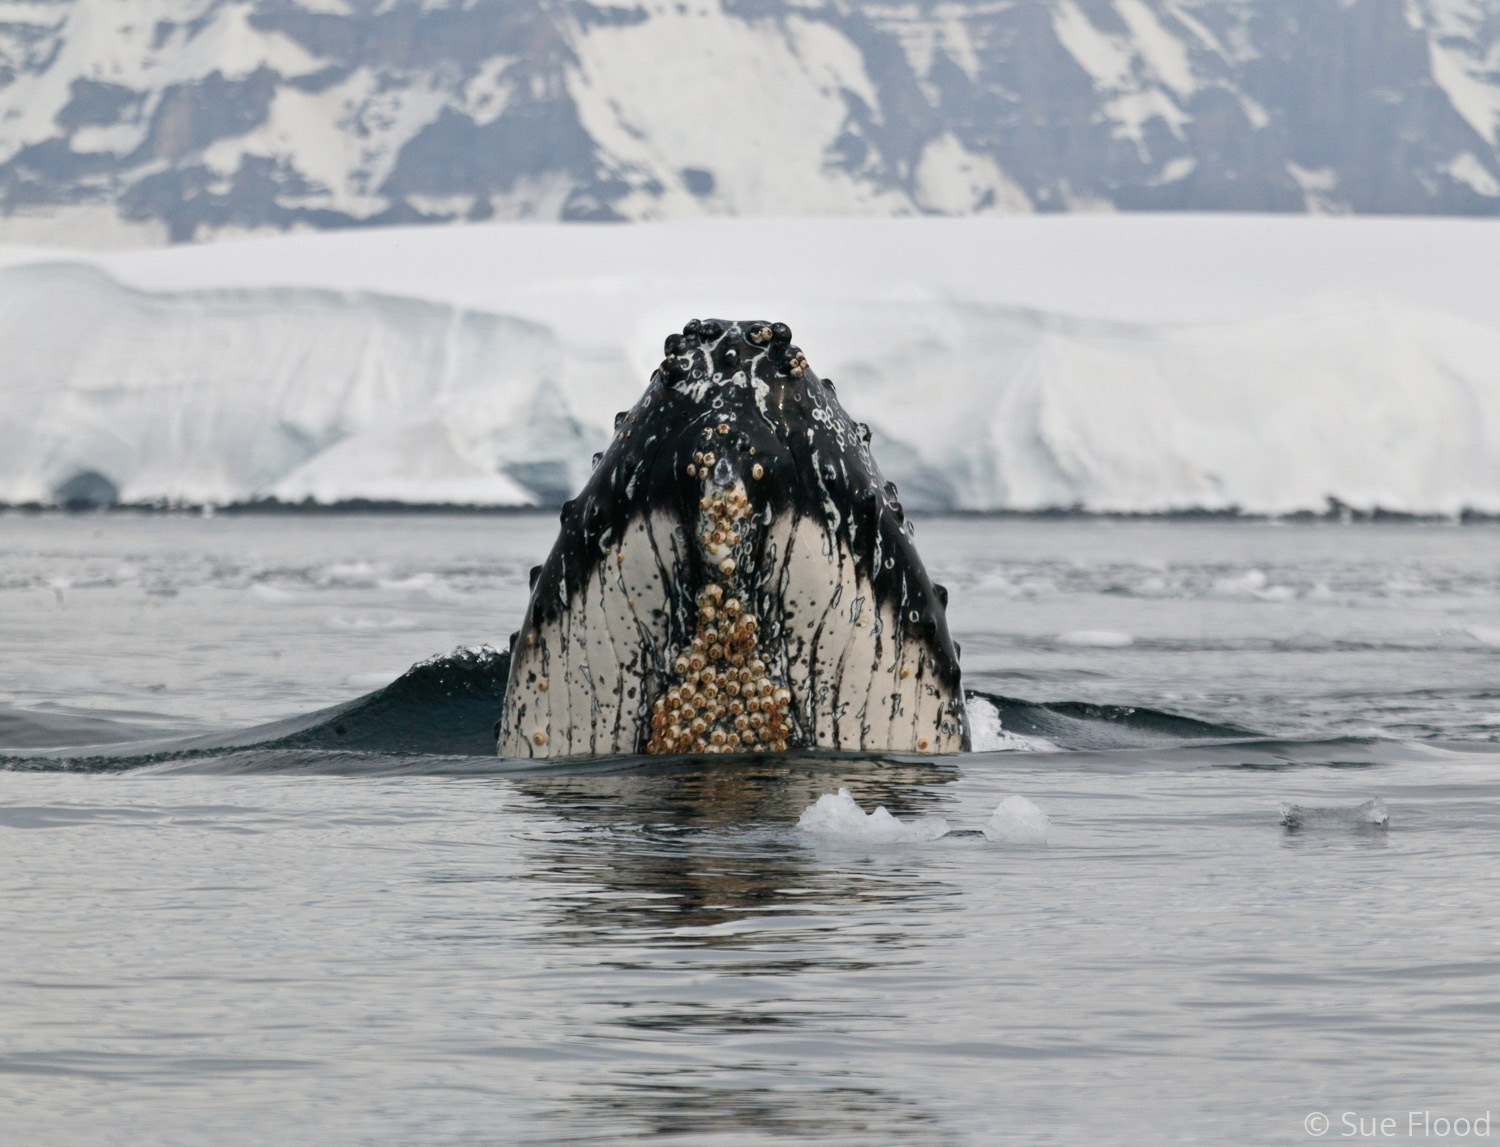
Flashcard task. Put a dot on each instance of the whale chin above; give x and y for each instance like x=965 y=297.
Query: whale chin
x=735 y=577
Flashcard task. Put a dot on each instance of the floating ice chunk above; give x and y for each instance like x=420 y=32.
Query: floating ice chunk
x=274 y=595
x=1017 y=821
x=359 y=624
x=1097 y=638
x=986 y=734
x=840 y=816
x=1248 y=584
x=1372 y=813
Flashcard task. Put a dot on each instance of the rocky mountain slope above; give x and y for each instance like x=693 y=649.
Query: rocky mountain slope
x=146 y=120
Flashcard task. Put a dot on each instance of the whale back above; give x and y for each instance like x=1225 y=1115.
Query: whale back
x=736 y=576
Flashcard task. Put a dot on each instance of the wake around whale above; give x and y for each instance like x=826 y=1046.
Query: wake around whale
x=735 y=577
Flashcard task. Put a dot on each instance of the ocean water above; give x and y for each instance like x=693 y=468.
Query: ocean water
x=1243 y=876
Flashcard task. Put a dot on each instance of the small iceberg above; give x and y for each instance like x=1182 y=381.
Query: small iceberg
x=1017 y=821
x=1371 y=814
x=840 y=817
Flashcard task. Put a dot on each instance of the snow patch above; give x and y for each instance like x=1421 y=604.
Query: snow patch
x=1103 y=57
x=1467 y=169
x=840 y=817
x=955 y=181
x=1477 y=100
x=1166 y=55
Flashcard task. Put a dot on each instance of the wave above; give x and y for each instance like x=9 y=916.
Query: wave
x=443 y=706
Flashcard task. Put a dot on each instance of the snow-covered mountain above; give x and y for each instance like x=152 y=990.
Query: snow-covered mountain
x=140 y=120
x=1264 y=363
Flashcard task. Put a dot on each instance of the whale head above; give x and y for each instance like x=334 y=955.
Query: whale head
x=736 y=576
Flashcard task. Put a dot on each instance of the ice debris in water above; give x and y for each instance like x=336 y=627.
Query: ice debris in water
x=1016 y=821
x=840 y=816
x=1372 y=813
x=1097 y=639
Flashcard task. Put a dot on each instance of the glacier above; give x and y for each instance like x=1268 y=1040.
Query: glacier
x=1205 y=364
x=218 y=397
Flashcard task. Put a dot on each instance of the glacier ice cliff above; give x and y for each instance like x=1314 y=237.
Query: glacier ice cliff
x=213 y=397
x=199 y=396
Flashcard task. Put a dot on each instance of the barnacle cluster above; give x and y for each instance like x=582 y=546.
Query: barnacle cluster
x=721 y=698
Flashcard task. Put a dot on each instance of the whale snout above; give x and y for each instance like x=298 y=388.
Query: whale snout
x=735 y=576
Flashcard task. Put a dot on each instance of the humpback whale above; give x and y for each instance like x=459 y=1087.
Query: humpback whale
x=736 y=576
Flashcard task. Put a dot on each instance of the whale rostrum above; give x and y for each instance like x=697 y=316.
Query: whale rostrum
x=735 y=577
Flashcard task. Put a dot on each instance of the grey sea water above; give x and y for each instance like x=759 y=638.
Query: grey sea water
x=279 y=941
